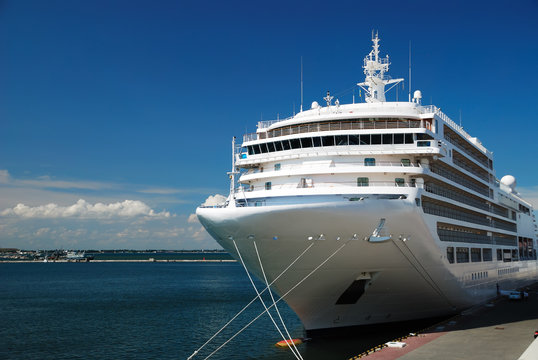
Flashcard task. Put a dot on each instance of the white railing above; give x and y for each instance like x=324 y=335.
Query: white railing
x=326 y=185
x=328 y=168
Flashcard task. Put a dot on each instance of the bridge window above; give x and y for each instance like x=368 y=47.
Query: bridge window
x=341 y=140
x=271 y=147
x=317 y=141
x=306 y=142
x=376 y=139
x=387 y=139
x=476 y=255
x=286 y=144
x=354 y=140
x=278 y=146
x=295 y=143
x=398 y=138
x=399 y=182
x=365 y=139
x=408 y=138
x=328 y=141
x=486 y=255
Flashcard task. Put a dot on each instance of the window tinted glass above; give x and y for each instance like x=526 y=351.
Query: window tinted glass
x=408 y=138
x=365 y=139
x=398 y=138
x=271 y=146
x=306 y=142
x=278 y=145
x=354 y=140
x=387 y=139
x=376 y=139
x=341 y=140
x=328 y=141
x=317 y=141
x=286 y=144
x=369 y=162
x=295 y=143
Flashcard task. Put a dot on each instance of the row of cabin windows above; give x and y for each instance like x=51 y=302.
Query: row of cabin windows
x=462 y=255
x=367 y=162
x=337 y=140
x=485 y=254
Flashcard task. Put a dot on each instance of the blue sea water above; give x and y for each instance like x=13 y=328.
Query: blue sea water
x=142 y=311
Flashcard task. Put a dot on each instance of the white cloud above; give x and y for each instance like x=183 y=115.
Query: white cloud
x=214 y=200
x=192 y=219
x=83 y=209
x=4 y=176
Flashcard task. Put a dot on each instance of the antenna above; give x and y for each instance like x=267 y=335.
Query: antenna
x=460 y=117
x=301 y=84
x=409 y=70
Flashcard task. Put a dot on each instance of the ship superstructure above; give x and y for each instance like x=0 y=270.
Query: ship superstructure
x=401 y=206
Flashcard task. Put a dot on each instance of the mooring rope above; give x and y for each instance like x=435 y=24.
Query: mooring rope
x=250 y=303
x=281 y=298
x=276 y=307
x=260 y=297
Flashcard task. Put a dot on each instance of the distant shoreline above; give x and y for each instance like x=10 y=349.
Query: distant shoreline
x=121 y=261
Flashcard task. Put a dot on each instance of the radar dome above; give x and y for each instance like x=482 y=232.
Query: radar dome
x=509 y=181
x=315 y=105
x=417 y=94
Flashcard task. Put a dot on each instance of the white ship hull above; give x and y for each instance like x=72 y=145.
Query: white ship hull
x=407 y=279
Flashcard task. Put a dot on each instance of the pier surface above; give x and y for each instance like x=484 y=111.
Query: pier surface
x=502 y=329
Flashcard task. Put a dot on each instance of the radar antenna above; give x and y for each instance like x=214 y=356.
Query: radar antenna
x=375 y=80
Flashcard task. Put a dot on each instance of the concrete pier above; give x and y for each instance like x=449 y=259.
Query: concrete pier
x=502 y=329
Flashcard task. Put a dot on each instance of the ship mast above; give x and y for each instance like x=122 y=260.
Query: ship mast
x=375 y=80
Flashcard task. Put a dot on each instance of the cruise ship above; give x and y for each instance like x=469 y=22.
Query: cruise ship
x=374 y=212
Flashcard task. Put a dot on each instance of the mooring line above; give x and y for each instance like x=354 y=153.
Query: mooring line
x=276 y=307
x=260 y=297
x=250 y=303
x=281 y=298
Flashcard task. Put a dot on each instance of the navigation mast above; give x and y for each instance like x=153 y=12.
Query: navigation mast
x=375 y=68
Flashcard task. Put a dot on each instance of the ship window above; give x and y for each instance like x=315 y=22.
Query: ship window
x=369 y=162
x=295 y=143
x=462 y=255
x=365 y=139
x=341 y=140
x=278 y=146
x=514 y=255
x=271 y=147
x=317 y=141
x=499 y=254
x=422 y=136
x=263 y=147
x=376 y=139
x=256 y=149
x=268 y=185
x=387 y=139
x=476 y=255
x=362 y=181
x=306 y=142
x=399 y=182
x=423 y=143
x=486 y=255
x=507 y=255
x=354 y=140
x=436 y=126
x=398 y=138
x=406 y=162
x=277 y=167
x=450 y=254
x=408 y=138
x=286 y=144
x=250 y=150
x=328 y=141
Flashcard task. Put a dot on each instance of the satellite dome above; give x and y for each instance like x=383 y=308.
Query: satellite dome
x=315 y=105
x=417 y=94
x=509 y=181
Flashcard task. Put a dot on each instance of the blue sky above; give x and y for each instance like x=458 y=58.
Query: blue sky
x=137 y=101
